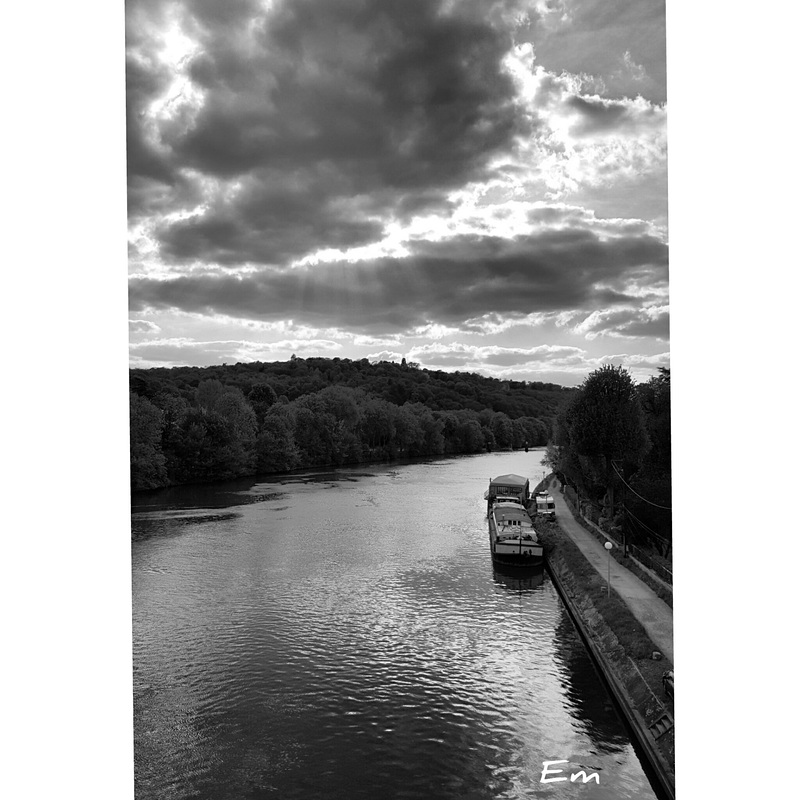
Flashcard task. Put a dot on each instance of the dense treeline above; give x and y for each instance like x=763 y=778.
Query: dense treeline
x=612 y=442
x=191 y=424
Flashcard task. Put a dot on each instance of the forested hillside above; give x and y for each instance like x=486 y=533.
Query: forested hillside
x=193 y=424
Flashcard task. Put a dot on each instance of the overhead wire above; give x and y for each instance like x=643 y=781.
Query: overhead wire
x=658 y=536
x=666 y=508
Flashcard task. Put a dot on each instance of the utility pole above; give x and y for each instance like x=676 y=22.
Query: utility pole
x=608 y=547
x=624 y=531
x=624 y=524
x=624 y=519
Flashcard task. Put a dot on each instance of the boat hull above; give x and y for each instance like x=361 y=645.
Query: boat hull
x=518 y=562
x=524 y=553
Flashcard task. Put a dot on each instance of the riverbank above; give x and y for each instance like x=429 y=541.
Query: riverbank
x=620 y=645
x=659 y=586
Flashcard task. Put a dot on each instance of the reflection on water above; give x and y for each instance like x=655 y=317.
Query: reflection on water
x=592 y=709
x=521 y=581
x=173 y=522
x=345 y=636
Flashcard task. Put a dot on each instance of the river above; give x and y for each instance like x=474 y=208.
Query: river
x=342 y=635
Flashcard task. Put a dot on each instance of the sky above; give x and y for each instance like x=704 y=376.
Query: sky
x=470 y=185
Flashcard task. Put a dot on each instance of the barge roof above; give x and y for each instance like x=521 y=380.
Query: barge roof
x=509 y=480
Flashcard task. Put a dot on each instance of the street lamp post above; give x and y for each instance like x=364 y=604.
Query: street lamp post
x=608 y=547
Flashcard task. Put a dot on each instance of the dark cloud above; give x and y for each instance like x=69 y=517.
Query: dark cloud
x=443 y=282
x=272 y=220
x=329 y=113
x=601 y=116
x=598 y=115
x=407 y=94
x=149 y=174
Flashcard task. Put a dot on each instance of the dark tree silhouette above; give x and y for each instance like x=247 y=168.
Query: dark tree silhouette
x=605 y=424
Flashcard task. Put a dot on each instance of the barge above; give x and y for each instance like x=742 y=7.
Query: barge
x=512 y=538
x=507 y=487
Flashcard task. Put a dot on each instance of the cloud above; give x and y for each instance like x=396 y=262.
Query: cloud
x=636 y=71
x=579 y=139
x=461 y=355
x=142 y=326
x=647 y=322
x=182 y=350
x=376 y=341
x=557 y=363
x=307 y=125
x=621 y=43
x=270 y=132
x=596 y=115
x=385 y=355
x=441 y=283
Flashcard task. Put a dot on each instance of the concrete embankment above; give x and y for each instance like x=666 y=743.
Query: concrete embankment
x=622 y=652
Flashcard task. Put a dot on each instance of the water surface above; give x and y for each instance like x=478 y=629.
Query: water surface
x=342 y=635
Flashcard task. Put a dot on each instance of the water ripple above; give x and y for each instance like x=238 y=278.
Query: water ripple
x=360 y=646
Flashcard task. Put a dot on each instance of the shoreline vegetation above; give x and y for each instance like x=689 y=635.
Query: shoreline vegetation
x=199 y=425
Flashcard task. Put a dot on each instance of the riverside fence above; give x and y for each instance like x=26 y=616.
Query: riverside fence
x=588 y=514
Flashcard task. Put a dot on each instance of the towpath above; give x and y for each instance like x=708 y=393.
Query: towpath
x=654 y=614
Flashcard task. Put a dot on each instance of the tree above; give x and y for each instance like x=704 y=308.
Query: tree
x=174 y=408
x=378 y=424
x=348 y=411
x=275 y=447
x=148 y=465
x=605 y=424
x=262 y=397
x=470 y=436
x=233 y=407
x=409 y=435
x=207 y=393
x=217 y=440
x=552 y=457
x=433 y=440
x=655 y=399
x=651 y=498
x=503 y=430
